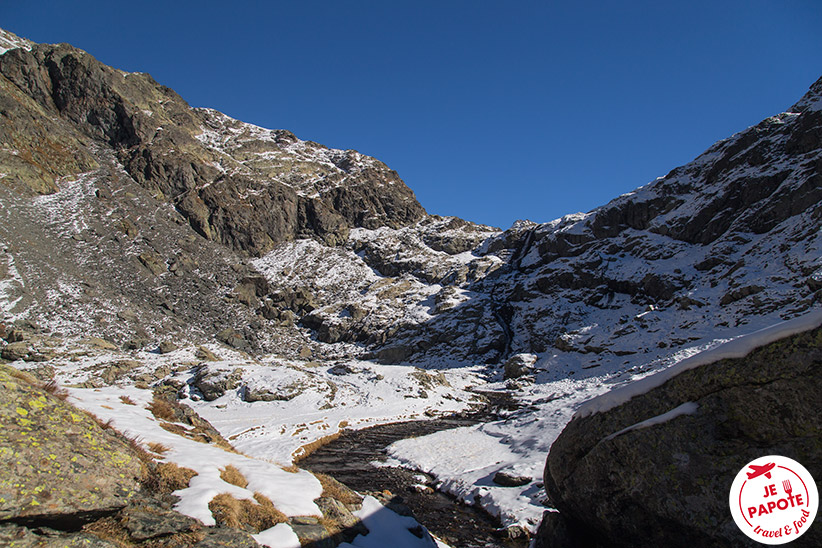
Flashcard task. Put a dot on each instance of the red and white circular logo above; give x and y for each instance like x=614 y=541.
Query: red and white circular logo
x=774 y=499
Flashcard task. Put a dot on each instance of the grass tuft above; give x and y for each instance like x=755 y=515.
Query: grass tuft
x=336 y=490
x=309 y=448
x=173 y=477
x=158 y=448
x=230 y=474
x=162 y=409
x=55 y=390
x=127 y=400
x=256 y=515
x=20 y=375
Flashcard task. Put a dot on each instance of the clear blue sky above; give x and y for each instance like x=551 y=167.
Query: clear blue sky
x=490 y=111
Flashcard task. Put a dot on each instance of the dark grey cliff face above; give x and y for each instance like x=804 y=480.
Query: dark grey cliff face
x=607 y=479
x=234 y=197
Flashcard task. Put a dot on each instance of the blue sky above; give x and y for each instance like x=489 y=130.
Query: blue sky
x=489 y=111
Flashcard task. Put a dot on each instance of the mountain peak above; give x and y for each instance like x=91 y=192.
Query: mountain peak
x=9 y=40
x=812 y=100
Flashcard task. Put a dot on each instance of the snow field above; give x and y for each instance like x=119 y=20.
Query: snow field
x=269 y=432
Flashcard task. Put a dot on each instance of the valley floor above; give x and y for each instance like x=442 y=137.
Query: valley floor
x=274 y=411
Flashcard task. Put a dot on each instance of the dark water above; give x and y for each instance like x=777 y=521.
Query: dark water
x=348 y=460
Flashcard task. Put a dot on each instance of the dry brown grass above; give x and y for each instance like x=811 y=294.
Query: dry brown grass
x=162 y=409
x=223 y=444
x=55 y=390
x=158 y=448
x=230 y=474
x=110 y=529
x=172 y=477
x=245 y=514
x=291 y=468
x=126 y=400
x=176 y=429
x=20 y=375
x=309 y=448
x=336 y=490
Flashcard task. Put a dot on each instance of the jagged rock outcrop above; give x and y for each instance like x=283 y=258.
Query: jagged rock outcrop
x=240 y=185
x=708 y=246
x=618 y=482
x=731 y=236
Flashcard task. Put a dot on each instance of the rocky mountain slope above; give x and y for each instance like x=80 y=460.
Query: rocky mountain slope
x=276 y=284
x=175 y=204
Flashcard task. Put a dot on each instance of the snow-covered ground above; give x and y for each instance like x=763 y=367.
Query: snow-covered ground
x=318 y=400
x=311 y=401
x=292 y=492
x=329 y=397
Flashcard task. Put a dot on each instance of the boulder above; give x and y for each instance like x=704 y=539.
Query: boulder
x=21 y=537
x=56 y=462
x=212 y=384
x=114 y=371
x=17 y=335
x=338 y=513
x=233 y=338
x=667 y=482
x=145 y=522
x=507 y=479
x=225 y=537
x=167 y=347
x=16 y=351
x=251 y=395
x=519 y=365
x=97 y=342
x=311 y=532
x=205 y=354
x=153 y=262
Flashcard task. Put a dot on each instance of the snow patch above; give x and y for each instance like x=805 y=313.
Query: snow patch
x=736 y=348
x=9 y=41
x=279 y=536
x=688 y=408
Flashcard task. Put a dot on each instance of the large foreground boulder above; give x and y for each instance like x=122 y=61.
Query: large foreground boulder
x=619 y=479
x=57 y=465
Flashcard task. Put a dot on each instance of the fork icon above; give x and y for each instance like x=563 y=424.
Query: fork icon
x=786 y=485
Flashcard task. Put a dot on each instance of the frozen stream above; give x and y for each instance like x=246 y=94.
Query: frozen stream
x=349 y=458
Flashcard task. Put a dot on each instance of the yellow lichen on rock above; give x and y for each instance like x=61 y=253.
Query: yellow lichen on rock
x=56 y=459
